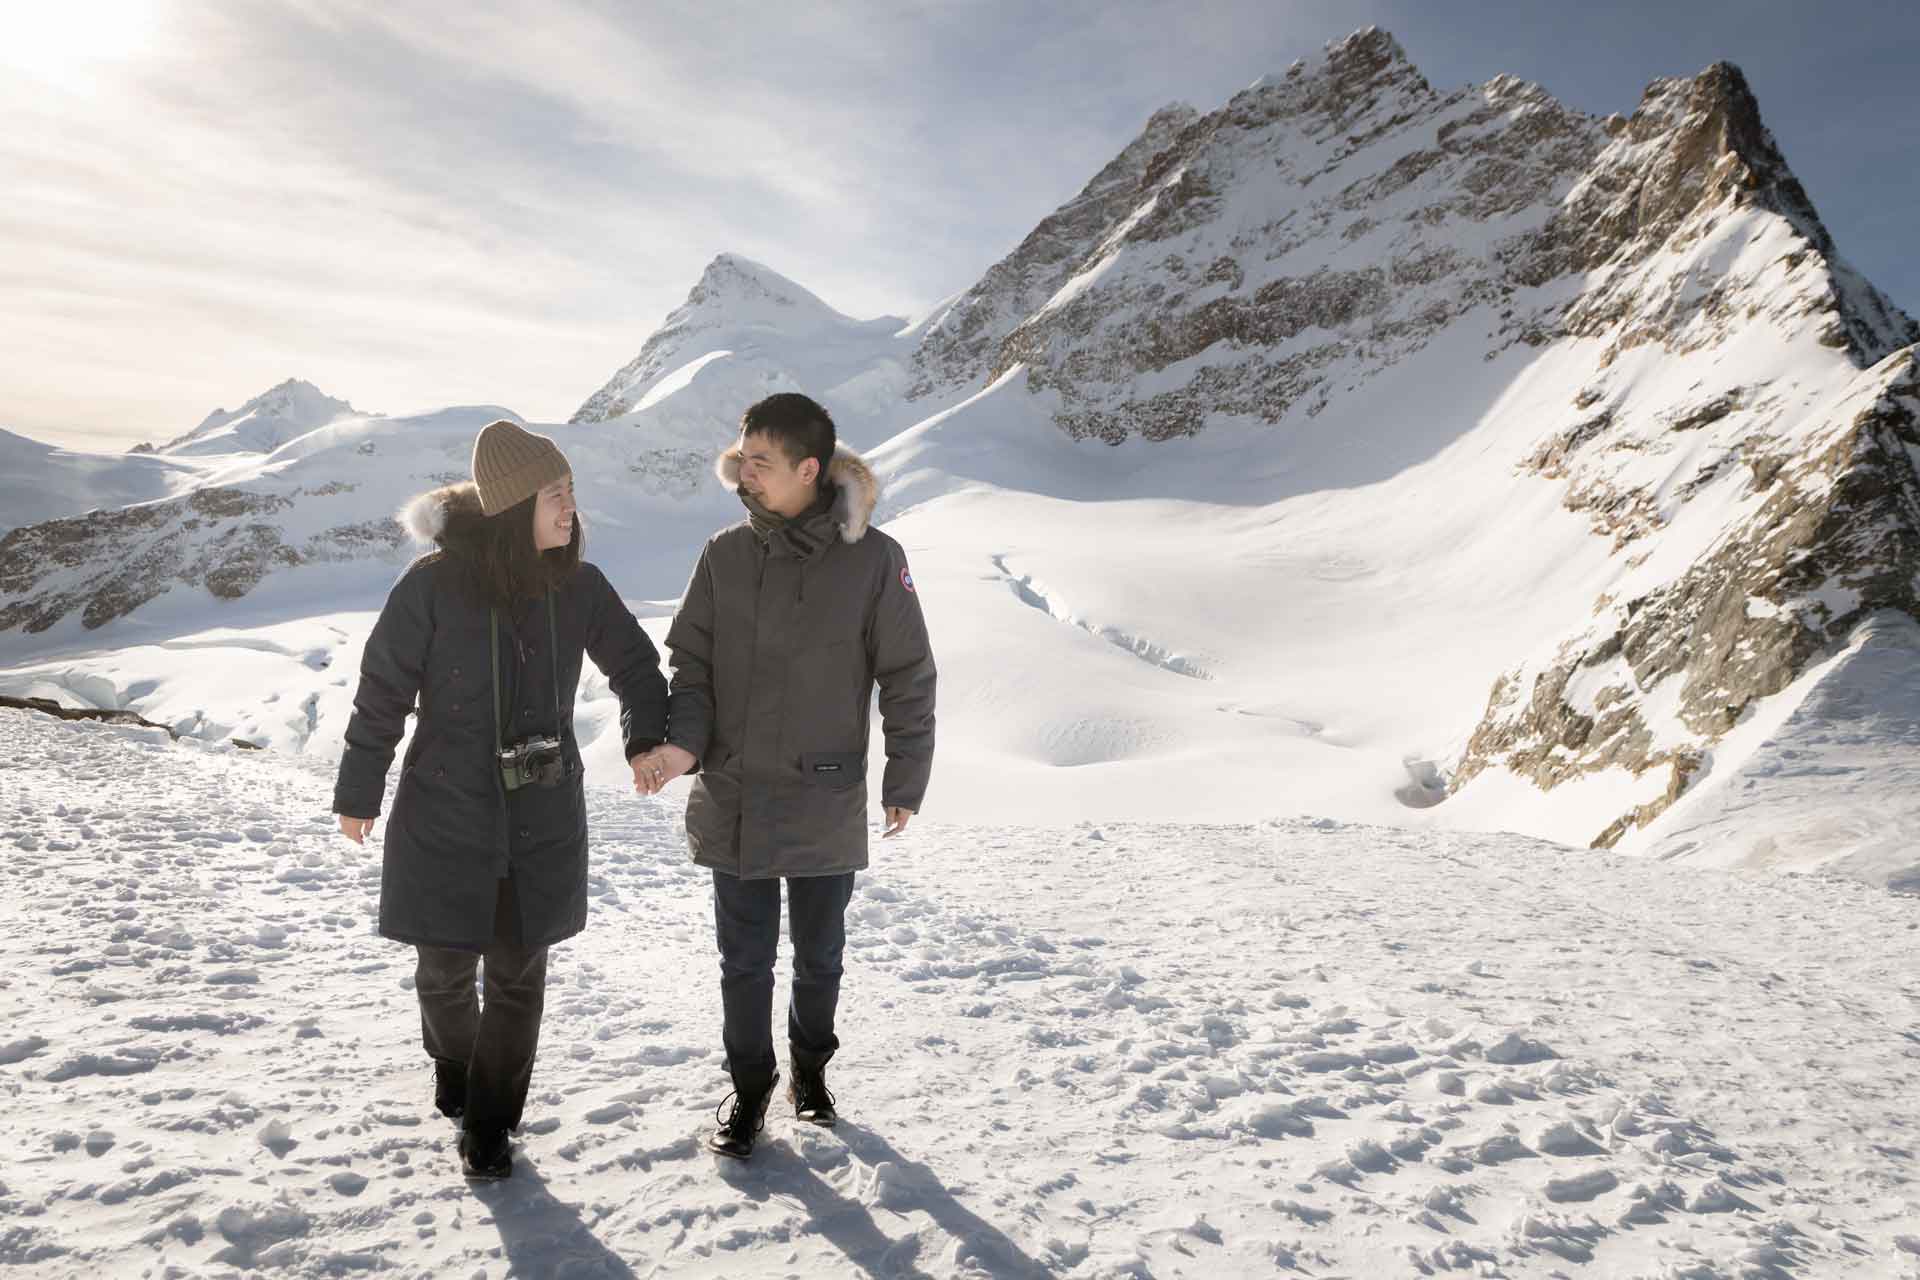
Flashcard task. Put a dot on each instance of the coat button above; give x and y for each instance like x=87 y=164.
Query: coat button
x=440 y=772
x=526 y=711
x=455 y=708
x=525 y=832
x=456 y=673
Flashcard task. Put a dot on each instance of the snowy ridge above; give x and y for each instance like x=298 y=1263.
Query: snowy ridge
x=1456 y=1054
x=746 y=332
x=42 y=482
x=263 y=423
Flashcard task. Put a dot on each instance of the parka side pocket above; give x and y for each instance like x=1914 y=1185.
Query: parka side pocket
x=834 y=770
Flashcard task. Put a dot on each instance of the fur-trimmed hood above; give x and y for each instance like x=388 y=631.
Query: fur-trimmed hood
x=856 y=488
x=445 y=517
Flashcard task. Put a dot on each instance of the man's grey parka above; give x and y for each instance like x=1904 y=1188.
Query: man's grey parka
x=775 y=651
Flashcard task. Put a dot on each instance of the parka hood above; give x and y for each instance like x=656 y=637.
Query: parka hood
x=449 y=517
x=856 y=488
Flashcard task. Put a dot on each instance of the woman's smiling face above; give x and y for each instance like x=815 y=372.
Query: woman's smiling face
x=553 y=515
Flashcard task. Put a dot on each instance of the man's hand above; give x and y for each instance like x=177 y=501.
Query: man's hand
x=897 y=819
x=653 y=770
x=356 y=829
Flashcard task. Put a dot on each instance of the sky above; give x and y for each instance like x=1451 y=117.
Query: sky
x=435 y=203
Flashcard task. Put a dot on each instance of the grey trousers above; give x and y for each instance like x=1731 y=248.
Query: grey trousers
x=495 y=1039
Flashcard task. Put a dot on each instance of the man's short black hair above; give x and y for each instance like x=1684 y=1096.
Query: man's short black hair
x=797 y=423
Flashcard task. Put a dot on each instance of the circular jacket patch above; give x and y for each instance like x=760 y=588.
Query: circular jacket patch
x=906 y=579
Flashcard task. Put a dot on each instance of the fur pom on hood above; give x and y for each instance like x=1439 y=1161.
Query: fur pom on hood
x=856 y=488
x=443 y=516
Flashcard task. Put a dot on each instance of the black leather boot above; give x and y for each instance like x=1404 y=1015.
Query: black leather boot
x=487 y=1156
x=812 y=1100
x=743 y=1123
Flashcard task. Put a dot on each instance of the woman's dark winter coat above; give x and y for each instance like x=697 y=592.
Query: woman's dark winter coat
x=455 y=831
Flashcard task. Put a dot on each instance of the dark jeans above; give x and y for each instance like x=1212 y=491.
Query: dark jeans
x=495 y=1040
x=746 y=915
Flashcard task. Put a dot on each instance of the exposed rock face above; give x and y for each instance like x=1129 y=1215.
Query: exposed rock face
x=1826 y=528
x=109 y=563
x=1346 y=213
x=45 y=706
x=1694 y=155
x=1340 y=213
x=963 y=343
x=1831 y=536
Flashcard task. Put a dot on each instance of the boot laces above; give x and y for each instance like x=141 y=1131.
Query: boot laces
x=731 y=1122
x=810 y=1087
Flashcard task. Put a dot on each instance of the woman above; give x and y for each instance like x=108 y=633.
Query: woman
x=486 y=849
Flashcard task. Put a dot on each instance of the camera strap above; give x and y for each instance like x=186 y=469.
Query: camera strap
x=553 y=656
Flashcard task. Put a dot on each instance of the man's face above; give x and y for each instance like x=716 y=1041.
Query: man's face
x=775 y=481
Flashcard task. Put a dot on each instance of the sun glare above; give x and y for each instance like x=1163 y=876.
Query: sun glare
x=69 y=43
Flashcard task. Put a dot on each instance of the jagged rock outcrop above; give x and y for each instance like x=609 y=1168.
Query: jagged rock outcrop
x=48 y=707
x=1337 y=215
x=962 y=343
x=1829 y=536
x=1346 y=213
x=109 y=563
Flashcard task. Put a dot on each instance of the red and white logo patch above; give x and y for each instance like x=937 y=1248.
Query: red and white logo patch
x=906 y=579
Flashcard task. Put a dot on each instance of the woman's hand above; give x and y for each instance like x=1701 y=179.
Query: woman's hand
x=356 y=829
x=653 y=770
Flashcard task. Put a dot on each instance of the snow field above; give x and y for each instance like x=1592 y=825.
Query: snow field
x=1126 y=1050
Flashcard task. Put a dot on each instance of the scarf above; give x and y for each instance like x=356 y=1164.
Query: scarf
x=797 y=531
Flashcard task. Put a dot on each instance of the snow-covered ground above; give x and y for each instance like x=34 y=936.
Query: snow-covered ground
x=1281 y=1047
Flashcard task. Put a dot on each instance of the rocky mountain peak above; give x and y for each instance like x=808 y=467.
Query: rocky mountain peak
x=959 y=344
x=744 y=310
x=1369 y=58
x=1694 y=154
x=733 y=281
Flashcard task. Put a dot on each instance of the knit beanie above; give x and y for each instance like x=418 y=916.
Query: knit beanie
x=511 y=464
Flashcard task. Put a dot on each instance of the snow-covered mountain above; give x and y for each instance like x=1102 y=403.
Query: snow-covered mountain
x=1408 y=397
x=40 y=482
x=263 y=423
x=1438 y=459
x=44 y=482
x=746 y=332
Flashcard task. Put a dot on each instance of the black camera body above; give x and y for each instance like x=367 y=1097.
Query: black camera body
x=533 y=762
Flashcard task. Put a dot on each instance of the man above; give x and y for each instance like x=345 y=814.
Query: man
x=790 y=619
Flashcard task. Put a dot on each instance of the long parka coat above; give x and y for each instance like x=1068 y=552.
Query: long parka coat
x=776 y=650
x=455 y=831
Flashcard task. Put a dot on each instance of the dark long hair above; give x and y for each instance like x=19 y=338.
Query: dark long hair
x=502 y=566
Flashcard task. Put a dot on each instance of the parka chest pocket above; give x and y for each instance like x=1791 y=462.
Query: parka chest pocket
x=834 y=770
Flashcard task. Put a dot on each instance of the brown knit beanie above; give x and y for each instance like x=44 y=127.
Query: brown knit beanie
x=511 y=464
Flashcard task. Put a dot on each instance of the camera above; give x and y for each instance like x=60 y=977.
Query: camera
x=533 y=762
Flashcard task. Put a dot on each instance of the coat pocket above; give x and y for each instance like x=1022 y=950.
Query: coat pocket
x=835 y=770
